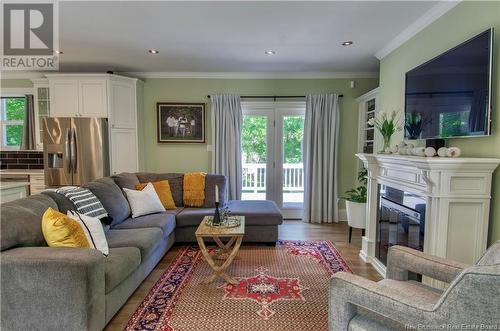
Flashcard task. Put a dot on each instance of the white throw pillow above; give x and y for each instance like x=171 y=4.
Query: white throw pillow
x=92 y=227
x=144 y=202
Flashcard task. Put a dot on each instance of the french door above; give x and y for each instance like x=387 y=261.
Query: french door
x=272 y=137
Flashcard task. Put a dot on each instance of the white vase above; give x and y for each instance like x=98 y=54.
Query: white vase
x=356 y=214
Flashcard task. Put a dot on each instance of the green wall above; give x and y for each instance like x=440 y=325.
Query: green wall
x=195 y=157
x=16 y=83
x=466 y=20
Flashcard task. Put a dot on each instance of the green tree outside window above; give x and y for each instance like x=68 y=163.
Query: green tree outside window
x=254 y=139
x=13 y=110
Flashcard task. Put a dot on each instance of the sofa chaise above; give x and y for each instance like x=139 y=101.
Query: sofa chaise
x=47 y=288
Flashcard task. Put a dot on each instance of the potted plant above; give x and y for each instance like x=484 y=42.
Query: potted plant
x=387 y=125
x=355 y=200
x=414 y=124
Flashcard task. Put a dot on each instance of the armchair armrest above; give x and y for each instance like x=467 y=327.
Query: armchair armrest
x=348 y=291
x=46 y=288
x=401 y=259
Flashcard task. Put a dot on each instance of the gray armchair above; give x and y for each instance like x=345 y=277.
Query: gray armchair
x=395 y=303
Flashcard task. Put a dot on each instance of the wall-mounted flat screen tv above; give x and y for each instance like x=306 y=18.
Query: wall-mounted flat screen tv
x=450 y=95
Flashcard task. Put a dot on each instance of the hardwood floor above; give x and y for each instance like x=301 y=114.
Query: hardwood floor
x=290 y=230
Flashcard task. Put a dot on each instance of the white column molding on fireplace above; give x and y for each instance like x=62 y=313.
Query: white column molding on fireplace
x=457 y=194
x=105 y=96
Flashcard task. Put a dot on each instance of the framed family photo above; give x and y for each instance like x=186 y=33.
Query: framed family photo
x=180 y=122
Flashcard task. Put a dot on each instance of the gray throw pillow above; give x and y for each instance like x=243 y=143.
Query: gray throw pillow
x=111 y=197
x=126 y=180
x=176 y=182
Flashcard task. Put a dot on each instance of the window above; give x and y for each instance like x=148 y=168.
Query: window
x=271 y=143
x=12 y=110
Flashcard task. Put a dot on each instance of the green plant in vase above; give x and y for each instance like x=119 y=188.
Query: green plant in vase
x=387 y=125
x=414 y=124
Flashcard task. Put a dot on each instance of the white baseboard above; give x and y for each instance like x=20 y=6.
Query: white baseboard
x=343 y=215
x=364 y=257
x=379 y=266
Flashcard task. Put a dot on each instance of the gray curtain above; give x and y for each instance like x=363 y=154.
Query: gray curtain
x=29 y=130
x=227 y=120
x=321 y=127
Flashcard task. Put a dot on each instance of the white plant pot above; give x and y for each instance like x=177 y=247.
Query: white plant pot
x=356 y=214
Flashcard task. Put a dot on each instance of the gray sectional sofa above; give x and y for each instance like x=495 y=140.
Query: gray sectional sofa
x=46 y=288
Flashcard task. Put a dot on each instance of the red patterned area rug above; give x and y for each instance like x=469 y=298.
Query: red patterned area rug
x=280 y=288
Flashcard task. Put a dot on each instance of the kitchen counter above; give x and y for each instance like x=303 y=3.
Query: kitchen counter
x=9 y=185
x=10 y=191
x=34 y=178
x=20 y=172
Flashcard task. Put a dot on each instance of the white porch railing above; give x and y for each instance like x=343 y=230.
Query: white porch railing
x=254 y=177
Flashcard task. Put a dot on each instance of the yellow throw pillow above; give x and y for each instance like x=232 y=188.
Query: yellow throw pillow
x=162 y=188
x=60 y=230
x=194 y=189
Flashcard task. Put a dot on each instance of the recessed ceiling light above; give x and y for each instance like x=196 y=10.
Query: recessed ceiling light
x=270 y=52
x=58 y=52
x=153 y=51
x=347 y=43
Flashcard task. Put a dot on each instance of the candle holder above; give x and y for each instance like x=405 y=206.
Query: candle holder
x=216 y=220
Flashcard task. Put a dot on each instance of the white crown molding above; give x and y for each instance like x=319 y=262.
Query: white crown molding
x=21 y=75
x=421 y=23
x=253 y=75
x=16 y=91
x=207 y=75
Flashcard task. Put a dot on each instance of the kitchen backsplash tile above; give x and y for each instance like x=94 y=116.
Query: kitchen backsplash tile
x=21 y=160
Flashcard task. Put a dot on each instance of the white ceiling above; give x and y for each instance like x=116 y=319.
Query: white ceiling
x=230 y=36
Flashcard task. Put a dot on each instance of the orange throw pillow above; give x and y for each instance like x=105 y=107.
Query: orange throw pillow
x=162 y=188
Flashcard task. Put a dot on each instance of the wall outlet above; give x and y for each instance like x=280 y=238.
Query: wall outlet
x=210 y=148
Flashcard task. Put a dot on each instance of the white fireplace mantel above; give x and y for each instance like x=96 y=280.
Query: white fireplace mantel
x=458 y=193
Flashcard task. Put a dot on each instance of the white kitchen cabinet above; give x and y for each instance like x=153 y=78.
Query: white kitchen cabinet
x=105 y=96
x=93 y=101
x=123 y=150
x=64 y=97
x=122 y=101
x=42 y=107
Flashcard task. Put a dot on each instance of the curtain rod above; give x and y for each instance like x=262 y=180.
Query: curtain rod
x=273 y=96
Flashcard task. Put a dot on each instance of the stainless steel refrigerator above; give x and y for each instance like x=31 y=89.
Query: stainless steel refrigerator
x=75 y=150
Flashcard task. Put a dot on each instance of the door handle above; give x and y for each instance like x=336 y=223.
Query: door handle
x=67 y=150
x=73 y=150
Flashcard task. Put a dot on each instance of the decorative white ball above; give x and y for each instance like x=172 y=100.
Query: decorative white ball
x=430 y=151
x=454 y=152
x=410 y=147
x=394 y=149
x=401 y=144
x=387 y=150
x=419 y=151
x=442 y=152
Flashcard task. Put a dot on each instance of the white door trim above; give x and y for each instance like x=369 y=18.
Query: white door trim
x=275 y=111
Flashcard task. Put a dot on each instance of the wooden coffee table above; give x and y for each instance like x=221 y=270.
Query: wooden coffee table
x=235 y=236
